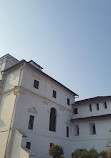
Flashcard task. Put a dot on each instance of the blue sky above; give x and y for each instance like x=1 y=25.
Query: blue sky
x=70 y=39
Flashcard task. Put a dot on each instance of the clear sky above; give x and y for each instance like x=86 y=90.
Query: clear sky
x=70 y=39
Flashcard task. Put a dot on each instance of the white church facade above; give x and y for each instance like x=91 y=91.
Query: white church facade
x=37 y=111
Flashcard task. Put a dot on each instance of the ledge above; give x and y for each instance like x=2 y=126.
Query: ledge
x=91 y=117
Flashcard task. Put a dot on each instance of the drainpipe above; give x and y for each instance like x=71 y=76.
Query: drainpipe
x=13 y=113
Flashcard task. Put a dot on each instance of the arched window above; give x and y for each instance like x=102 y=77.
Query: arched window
x=52 y=121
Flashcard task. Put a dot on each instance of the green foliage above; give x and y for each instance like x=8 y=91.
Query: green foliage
x=93 y=153
x=80 y=153
x=104 y=154
x=56 y=151
x=76 y=154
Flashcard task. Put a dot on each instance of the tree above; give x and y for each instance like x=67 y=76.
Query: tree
x=56 y=151
x=84 y=153
x=104 y=154
x=93 y=153
x=80 y=153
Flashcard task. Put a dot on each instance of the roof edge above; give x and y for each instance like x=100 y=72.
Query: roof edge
x=22 y=61
x=91 y=99
x=6 y=55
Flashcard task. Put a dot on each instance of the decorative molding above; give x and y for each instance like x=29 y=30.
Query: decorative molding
x=23 y=90
x=61 y=108
x=32 y=110
x=45 y=102
x=8 y=91
x=68 y=122
x=36 y=76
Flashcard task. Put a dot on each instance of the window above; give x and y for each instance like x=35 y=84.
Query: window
x=36 y=84
x=52 y=121
x=76 y=130
x=75 y=111
x=67 y=131
x=92 y=128
x=54 y=94
x=28 y=145
x=105 y=105
x=51 y=144
x=31 y=122
x=90 y=107
x=68 y=101
x=97 y=106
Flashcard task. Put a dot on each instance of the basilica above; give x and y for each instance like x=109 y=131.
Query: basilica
x=37 y=111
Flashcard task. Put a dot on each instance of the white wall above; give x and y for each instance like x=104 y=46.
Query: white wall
x=12 y=80
x=10 y=61
x=83 y=109
x=6 y=109
x=43 y=101
x=98 y=140
x=40 y=136
x=38 y=102
x=16 y=145
x=24 y=154
x=46 y=87
x=3 y=141
x=6 y=62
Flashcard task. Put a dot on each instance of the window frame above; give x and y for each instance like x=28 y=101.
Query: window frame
x=54 y=94
x=53 y=119
x=68 y=101
x=105 y=105
x=51 y=144
x=31 y=122
x=76 y=130
x=75 y=111
x=97 y=106
x=92 y=128
x=28 y=145
x=90 y=108
x=36 y=84
x=67 y=131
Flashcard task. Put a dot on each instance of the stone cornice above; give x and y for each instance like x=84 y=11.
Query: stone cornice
x=23 y=90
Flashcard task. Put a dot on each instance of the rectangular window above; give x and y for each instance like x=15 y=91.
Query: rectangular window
x=31 y=122
x=54 y=94
x=67 y=131
x=28 y=145
x=36 y=84
x=97 y=106
x=105 y=105
x=68 y=101
x=90 y=107
x=76 y=130
x=51 y=144
x=92 y=128
x=75 y=111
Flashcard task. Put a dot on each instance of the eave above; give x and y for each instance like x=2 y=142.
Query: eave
x=91 y=118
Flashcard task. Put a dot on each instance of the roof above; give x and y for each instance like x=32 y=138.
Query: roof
x=6 y=55
x=91 y=100
x=14 y=66
x=28 y=63
x=91 y=117
x=31 y=61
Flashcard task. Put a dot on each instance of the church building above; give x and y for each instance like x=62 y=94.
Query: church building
x=37 y=111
